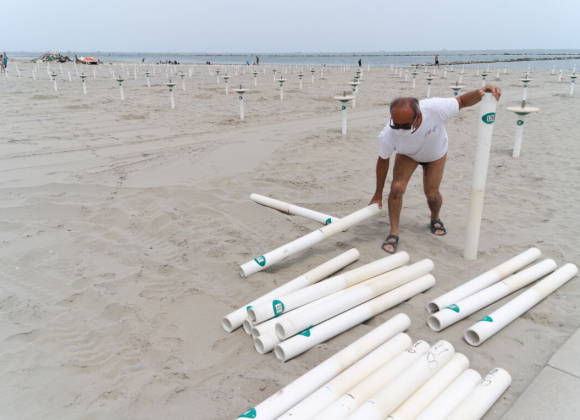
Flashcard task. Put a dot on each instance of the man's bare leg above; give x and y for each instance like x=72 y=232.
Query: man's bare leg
x=432 y=177
x=402 y=172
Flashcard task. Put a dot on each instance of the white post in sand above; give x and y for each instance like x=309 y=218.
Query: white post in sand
x=274 y=71
x=94 y=73
x=300 y=76
x=171 y=85
x=456 y=88
x=414 y=74
x=312 y=71
x=240 y=93
x=526 y=81
x=354 y=86
x=344 y=99
x=147 y=74
x=54 y=85
x=69 y=77
x=572 y=83
x=182 y=75
x=83 y=77
x=217 y=75
x=227 y=82
x=255 y=73
x=122 y=92
x=281 y=82
x=553 y=72
x=429 y=79
x=521 y=111
x=483 y=78
x=560 y=75
x=482 y=152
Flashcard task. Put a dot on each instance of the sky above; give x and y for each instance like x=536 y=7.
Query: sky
x=247 y=26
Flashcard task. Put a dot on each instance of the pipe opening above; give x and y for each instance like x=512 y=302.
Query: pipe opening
x=255 y=333
x=472 y=338
x=251 y=314
x=434 y=323
x=242 y=273
x=279 y=353
x=227 y=325
x=247 y=326
x=432 y=307
x=259 y=346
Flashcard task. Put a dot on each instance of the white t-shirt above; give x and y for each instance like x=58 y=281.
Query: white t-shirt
x=429 y=142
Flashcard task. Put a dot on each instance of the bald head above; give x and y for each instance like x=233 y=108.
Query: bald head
x=404 y=110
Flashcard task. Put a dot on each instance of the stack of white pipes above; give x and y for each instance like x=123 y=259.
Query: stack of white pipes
x=383 y=375
x=494 y=285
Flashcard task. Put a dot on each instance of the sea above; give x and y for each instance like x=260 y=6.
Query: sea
x=399 y=58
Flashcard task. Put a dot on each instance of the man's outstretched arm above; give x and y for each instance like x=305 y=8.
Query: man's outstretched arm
x=381 y=171
x=473 y=97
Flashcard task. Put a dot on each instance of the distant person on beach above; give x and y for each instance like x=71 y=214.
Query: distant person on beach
x=4 y=61
x=360 y=62
x=436 y=60
x=257 y=60
x=416 y=132
x=1 y=63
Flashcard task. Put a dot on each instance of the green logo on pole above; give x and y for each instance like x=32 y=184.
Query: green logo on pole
x=488 y=118
x=328 y=221
x=250 y=414
x=277 y=307
x=306 y=332
x=261 y=261
x=520 y=122
x=453 y=307
x=487 y=319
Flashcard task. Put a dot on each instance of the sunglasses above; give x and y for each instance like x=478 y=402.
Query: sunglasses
x=408 y=126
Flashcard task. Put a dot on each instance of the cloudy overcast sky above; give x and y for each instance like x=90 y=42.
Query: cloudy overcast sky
x=287 y=26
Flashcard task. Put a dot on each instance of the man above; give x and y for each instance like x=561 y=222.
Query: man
x=416 y=132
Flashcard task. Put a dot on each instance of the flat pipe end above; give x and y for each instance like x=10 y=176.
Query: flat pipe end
x=279 y=353
x=280 y=331
x=247 y=326
x=434 y=323
x=432 y=307
x=472 y=338
x=251 y=314
x=227 y=325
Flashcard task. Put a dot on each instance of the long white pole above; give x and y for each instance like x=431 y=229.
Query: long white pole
x=480 y=166
x=471 y=304
x=358 y=395
x=289 y=208
x=519 y=137
x=299 y=389
x=451 y=397
x=484 y=280
x=234 y=319
x=516 y=307
x=283 y=303
x=344 y=111
x=241 y=98
x=413 y=406
x=318 y=311
x=270 y=258
x=348 y=379
x=395 y=393
x=483 y=397
x=302 y=342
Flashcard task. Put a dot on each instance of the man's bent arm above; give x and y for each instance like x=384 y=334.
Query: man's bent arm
x=382 y=170
x=473 y=97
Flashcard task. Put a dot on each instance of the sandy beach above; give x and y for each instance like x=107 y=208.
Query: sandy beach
x=123 y=225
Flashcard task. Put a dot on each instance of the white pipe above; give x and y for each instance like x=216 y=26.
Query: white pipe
x=413 y=406
x=306 y=241
x=482 y=152
x=344 y=116
x=396 y=392
x=516 y=307
x=316 y=312
x=286 y=302
x=299 y=343
x=234 y=319
x=519 y=137
x=331 y=391
x=293 y=209
x=471 y=304
x=483 y=397
x=358 y=395
x=484 y=280
x=451 y=397
x=299 y=389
